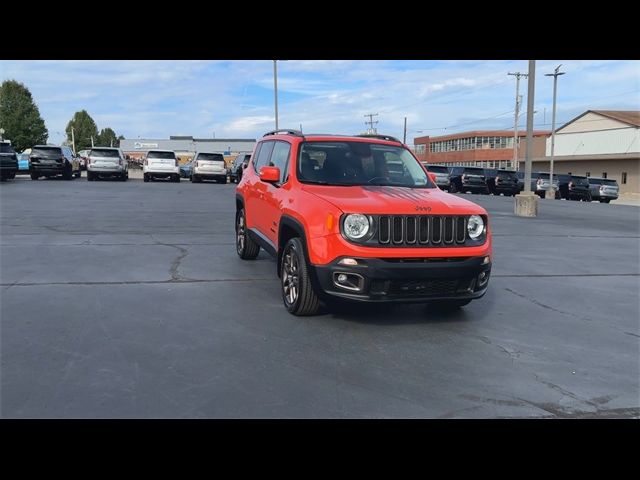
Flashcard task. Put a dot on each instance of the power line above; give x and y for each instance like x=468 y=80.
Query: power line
x=371 y=128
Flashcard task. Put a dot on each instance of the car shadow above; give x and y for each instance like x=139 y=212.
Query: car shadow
x=390 y=314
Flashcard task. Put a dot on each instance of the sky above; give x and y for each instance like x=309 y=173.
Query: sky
x=235 y=99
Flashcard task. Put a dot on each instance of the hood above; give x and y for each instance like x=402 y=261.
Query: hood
x=384 y=200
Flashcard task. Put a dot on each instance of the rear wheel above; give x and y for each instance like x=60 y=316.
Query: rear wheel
x=68 y=173
x=223 y=180
x=605 y=200
x=453 y=188
x=34 y=176
x=78 y=173
x=145 y=177
x=89 y=176
x=297 y=292
x=246 y=248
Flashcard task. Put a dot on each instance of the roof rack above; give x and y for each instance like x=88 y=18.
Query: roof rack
x=297 y=133
x=381 y=137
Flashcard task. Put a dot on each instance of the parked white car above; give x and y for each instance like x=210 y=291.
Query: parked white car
x=161 y=164
x=209 y=166
x=107 y=162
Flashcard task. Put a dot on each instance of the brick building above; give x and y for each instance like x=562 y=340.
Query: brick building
x=483 y=148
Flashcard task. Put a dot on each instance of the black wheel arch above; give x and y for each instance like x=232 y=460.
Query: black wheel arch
x=289 y=228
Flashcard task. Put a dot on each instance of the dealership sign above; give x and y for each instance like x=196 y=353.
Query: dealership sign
x=145 y=145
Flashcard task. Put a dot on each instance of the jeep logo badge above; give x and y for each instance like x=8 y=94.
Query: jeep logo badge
x=422 y=209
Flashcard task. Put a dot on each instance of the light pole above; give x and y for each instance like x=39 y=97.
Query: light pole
x=551 y=191
x=275 y=88
x=516 y=163
x=526 y=204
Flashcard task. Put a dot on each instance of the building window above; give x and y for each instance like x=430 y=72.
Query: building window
x=624 y=178
x=588 y=174
x=604 y=174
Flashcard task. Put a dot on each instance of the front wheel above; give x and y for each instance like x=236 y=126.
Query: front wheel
x=246 y=248
x=453 y=188
x=297 y=292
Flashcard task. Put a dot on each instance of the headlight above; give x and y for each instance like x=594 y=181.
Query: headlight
x=356 y=226
x=475 y=226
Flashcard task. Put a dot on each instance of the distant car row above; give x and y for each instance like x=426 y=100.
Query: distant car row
x=103 y=162
x=509 y=183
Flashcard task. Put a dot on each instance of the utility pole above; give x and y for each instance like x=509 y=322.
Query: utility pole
x=112 y=143
x=371 y=129
x=516 y=164
x=551 y=191
x=73 y=140
x=526 y=204
x=404 y=138
x=91 y=141
x=275 y=88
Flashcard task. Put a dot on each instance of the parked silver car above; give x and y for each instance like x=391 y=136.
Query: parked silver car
x=209 y=166
x=542 y=184
x=603 y=189
x=442 y=175
x=107 y=162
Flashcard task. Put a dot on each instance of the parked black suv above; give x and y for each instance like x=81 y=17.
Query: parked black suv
x=502 y=181
x=49 y=161
x=468 y=179
x=239 y=164
x=8 y=161
x=574 y=187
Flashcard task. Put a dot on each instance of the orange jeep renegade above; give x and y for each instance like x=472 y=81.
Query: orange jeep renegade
x=358 y=218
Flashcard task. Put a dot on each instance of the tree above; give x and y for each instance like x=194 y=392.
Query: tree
x=107 y=138
x=20 y=117
x=83 y=129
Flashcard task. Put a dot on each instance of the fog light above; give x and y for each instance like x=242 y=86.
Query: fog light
x=349 y=281
x=483 y=278
x=348 y=261
x=485 y=261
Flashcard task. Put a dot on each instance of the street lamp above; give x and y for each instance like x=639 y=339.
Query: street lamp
x=551 y=191
x=275 y=88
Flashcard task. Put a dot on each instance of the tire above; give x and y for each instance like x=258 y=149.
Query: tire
x=246 y=248
x=589 y=198
x=453 y=188
x=145 y=177
x=605 y=200
x=34 y=176
x=223 y=181
x=89 y=176
x=78 y=173
x=176 y=179
x=450 y=304
x=298 y=294
x=68 y=174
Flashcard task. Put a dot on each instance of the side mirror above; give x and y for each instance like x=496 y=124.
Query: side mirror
x=432 y=176
x=245 y=165
x=270 y=174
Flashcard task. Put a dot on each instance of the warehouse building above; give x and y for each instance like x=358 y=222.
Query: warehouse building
x=597 y=143
x=187 y=146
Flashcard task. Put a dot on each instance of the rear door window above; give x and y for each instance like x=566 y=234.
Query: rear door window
x=104 y=152
x=46 y=152
x=211 y=157
x=162 y=155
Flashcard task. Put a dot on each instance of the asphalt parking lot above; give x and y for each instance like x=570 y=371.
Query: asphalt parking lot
x=127 y=300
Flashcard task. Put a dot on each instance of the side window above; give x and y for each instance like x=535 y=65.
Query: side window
x=263 y=156
x=280 y=159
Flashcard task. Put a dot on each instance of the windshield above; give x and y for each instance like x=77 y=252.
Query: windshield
x=360 y=163
x=165 y=155
x=104 y=152
x=610 y=182
x=6 y=148
x=211 y=156
x=46 y=152
x=437 y=169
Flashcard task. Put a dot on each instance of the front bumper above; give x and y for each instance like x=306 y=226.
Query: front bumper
x=107 y=170
x=405 y=280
